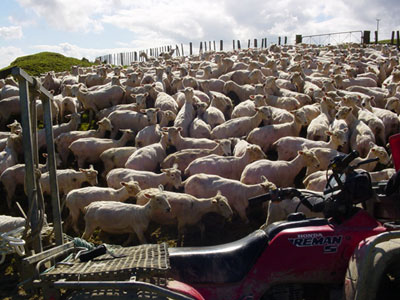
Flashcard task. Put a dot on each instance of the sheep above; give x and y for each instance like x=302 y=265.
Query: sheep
x=288 y=146
x=265 y=136
x=76 y=200
x=184 y=157
x=69 y=180
x=239 y=127
x=64 y=140
x=105 y=97
x=59 y=129
x=50 y=82
x=149 y=157
x=318 y=126
x=389 y=119
x=88 y=150
x=243 y=92
x=237 y=193
x=281 y=173
x=279 y=210
x=225 y=166
x=175 y=139
x=9 y=107
x=360 y=134
x=188 y=210
x=186 y=114
x=104 y=113
x=136 y=121
x=117 y=217
x=163 y=101
x=151 y=134
x=14 y=127
x=9 y=156
x=169 y=178
x=374 y=123
x=223 y=104
x=98 y=78
x=115 y=158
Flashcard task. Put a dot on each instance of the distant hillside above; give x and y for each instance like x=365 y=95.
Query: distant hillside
x=42 y=62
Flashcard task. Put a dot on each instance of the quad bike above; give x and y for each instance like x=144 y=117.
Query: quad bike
x=347 y=255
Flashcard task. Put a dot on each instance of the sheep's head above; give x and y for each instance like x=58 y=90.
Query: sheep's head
x=158 y=202
x=380 y=153
x=174 y=176
x=267 y=185
x=222 y=206
x=265 y=112
x=91 y=175
x=255 y=153
x=310 y=158
x=132 y=187
x=343 y=112
x=338 y=136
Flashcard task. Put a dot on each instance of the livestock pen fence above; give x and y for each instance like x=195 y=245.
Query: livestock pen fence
x=126 y=58
x=334 y=38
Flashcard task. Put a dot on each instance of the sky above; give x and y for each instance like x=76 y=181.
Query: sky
x=92 y=28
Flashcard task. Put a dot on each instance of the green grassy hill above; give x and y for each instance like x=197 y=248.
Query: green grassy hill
x=43 y=62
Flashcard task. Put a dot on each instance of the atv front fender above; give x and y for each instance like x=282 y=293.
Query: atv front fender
x=368 y=263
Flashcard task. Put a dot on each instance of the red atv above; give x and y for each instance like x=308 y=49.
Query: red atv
x=300 y=258
x=349 y=253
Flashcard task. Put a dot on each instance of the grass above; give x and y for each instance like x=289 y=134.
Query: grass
x=43 y=62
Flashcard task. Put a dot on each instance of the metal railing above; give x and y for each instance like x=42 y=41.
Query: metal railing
x=334 y=38
x=30 y=89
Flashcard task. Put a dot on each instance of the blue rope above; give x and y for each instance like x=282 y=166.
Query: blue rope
x=81 y=243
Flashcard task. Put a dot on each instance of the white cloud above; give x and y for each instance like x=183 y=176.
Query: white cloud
x=8 y=54
x=11 y=32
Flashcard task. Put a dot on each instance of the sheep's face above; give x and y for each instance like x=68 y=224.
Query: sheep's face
x=132 y=187
x=343 y=112
x=159 y=202
x=91 y=175
x=255 y=152
x=222 y=206
x=380 y=153
x=174 y=177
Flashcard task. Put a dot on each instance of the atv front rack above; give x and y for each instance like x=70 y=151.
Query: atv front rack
x=138 y=272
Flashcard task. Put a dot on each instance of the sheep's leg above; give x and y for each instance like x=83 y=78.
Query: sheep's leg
x=181 y=233
x=141 y=237
x=202 y=230
x=129 y=240
x=88 y=232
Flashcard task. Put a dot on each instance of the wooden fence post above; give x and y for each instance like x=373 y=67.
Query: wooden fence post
x=201 y=47
x=392 y=39
x=285 y=40
x=221 y=45
x=262 y=43
x=238 y=45
x=248 y=44
x=279 y=40
x=233 y=45
x=398 y=40
x=183 y=54
x=299 y=38
x=205 y=46
x=190 y=48
x=376 y=37
x=214 y=45
x=209 y=45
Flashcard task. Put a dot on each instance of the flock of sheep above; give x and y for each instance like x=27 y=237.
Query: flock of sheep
x=186 y=136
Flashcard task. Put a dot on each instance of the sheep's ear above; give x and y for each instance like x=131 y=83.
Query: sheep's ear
x=371 y=144
x=301 y=152
x=161 y=188
x=146 y=94
x=263 y=178
x=180 y=128
x=157 y=109
x=214 y=201
x=175 y=166
x=143 y=111
x=251 y=97
x=123 y=183
x=147 y=195
x=329 y=132
x=91 y=167
x=165 y=129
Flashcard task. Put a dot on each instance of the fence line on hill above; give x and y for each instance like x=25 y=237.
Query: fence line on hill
x=358 y=36
x=126 y=58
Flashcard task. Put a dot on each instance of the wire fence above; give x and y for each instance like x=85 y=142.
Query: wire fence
x=193 y=48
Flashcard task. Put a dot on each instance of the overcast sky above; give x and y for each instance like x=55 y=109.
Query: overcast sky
x=90 y=28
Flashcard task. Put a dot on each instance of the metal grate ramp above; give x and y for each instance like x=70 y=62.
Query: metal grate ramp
x=149 y=259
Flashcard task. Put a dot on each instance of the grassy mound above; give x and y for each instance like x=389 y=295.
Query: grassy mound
x=43 y=62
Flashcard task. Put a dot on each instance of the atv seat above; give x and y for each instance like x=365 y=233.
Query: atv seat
x=225 y=263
